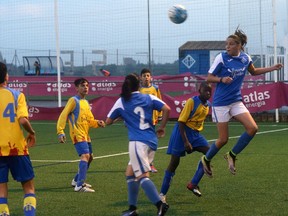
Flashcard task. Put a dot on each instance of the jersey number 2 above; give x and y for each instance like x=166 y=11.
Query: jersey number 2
x=9 y=112
x=139 y=111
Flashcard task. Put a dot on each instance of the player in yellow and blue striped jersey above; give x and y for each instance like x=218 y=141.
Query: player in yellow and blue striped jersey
x=14 y=154
x=81 y=119
x=186 y=138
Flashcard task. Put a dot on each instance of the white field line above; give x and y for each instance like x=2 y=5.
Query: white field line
x=209 y=124
x=125 y=153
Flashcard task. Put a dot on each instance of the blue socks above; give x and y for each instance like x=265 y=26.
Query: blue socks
x=83 y=166
x=76 y=176
x=150 y=190
x=166 y=181
x=242 y=142
x=211 y=152
x=133 y=190
x=29 y=205
x=198 y=174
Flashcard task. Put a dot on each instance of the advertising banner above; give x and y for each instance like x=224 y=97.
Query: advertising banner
x=48 y=86
x=257 y=99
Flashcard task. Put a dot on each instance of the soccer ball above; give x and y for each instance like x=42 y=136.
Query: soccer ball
x=177 y=14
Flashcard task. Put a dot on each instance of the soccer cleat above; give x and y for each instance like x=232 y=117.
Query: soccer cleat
x=195 y=189
x=74 y=183
x=162 y=209
x=84 y=189
x=130 y=213
x=206 y=167
x=153 y=169
x=231 y=163
x=162 y=197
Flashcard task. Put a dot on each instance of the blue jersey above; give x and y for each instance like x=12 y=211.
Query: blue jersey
x=234 y=67
x=137 y=114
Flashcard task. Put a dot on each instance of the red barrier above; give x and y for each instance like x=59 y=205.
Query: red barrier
x=257 y=99
x=48 y=86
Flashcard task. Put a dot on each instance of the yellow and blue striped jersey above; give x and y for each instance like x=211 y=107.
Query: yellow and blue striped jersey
x=194 y=113
x=153 y=90
x=80 y=119
x=12 y=107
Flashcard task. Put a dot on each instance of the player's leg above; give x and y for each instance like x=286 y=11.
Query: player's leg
x=83 y=150
x=176 y=149
x=29 y=203
x=83 y=166
x=222 y=128
x=22 y=171
x=251 y=129
x=168 y=176
x=133 y=191
x=3 y=198
x=220 y=115
x=193 y=185
x=74 y=180
x=4 y=170
x=244 y=117
x=141 y=156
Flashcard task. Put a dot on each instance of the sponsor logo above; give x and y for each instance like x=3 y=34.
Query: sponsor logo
x=103 y=86
x=157 y=82
x=256 y=99
x=189 y=81
x=16 y=85
x=53 y=87
x=179 y=105
x=33 y=110
x=236 y=72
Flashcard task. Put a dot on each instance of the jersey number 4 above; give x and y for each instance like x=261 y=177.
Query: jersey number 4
x=9 y=112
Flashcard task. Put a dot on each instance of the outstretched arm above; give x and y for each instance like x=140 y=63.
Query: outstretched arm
x=257 y=71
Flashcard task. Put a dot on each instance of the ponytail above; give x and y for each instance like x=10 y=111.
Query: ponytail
x=130 y=84
x=240 y=37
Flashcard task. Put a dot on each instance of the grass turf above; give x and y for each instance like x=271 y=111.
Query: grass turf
x=259 y=187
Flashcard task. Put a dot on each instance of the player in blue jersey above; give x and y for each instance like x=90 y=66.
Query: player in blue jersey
x=228 y=71
x=81 y=119
x=136 y=110
x=14 y=154
x=185 y=138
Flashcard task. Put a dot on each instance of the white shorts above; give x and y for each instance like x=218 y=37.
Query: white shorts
x=141 y=155
x=225 y=113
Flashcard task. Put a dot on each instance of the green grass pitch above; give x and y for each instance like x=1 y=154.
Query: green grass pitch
x=259 y=187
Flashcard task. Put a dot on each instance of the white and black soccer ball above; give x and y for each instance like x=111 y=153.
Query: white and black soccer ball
x=177 y=14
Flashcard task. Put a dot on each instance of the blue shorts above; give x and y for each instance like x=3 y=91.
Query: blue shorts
x=83 y=148
x=176 y=145
x=20 y=167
